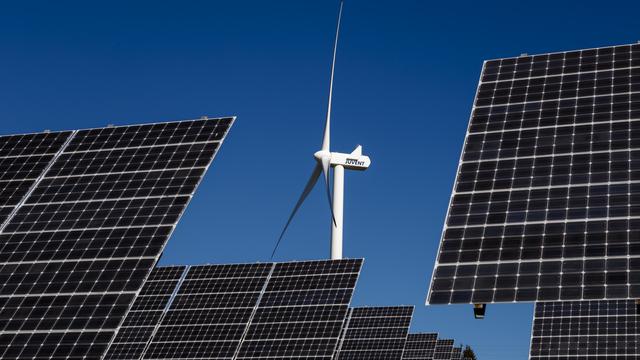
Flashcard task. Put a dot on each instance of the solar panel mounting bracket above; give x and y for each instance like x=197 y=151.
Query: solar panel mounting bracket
x=479 y=310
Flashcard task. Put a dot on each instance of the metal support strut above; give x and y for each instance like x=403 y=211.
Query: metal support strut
x=479 y=310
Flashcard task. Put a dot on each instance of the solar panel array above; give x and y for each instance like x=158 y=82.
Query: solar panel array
x=605 y=329
x=84 y=217
x=545 y=203
x=375 y=333
x=443 y=349
x=243 y=311
x=420 y=346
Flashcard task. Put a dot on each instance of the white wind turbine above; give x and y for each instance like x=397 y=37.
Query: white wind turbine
x=325 y=159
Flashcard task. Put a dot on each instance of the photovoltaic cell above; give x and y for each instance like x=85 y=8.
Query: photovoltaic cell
x=145 y=314
x=86 y=215
x=375 y=333
x=546 y=205
x=420 y=346
x=443 y=349
x=604 y=329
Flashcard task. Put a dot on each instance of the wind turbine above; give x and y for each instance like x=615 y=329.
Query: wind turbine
x=325 y=160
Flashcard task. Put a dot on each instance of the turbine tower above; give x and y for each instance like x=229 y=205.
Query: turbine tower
x=325 y=160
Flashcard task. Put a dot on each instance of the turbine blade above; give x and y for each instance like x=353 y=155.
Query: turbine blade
x=325 y=170
x=307 y=189
x=326 y=139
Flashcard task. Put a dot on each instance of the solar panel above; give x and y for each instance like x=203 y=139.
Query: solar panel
x=443 y=349
x=302 y=311
x=604 y=329
x=420 y=346
x=253 y=311
x=210 y=313
x=145 y=314
x=85 y=216
x=545 y=203
x=375 y=333
x=23 y=160
x=456 y=353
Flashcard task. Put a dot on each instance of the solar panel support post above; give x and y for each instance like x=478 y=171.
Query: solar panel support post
x=338 y=208
x=479 y=310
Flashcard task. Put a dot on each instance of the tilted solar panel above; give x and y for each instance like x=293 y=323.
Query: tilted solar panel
x=145 y=314
x=252 y=311
x=302 y=310
x=375 y=333
x=546 y=203
x=420 y=346
x=456 y=353
x=85 y=217
x=443 y=349
x=604 y=329
x=210 y=313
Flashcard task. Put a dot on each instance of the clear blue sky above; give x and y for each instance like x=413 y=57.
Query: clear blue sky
x=406 y=75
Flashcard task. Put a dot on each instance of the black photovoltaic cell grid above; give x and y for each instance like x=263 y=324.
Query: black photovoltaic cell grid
x=252 y=311
x=443 y=349
x=590 y=330
x=23 y=159
x=302 y=311
x=375 y=333
x=210 y=312
x=145 y=314
x=456 y=353
x=98 y=210
x=546 y=204
x=420 y=346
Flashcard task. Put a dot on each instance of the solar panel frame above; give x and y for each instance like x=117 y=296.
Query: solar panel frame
x=451 y=282
x=375 y=333
x=41 y=286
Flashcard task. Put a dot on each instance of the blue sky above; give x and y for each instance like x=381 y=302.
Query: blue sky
x=405 y=80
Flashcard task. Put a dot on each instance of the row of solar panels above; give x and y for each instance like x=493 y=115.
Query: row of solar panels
x=84 y=217
x=267 y=310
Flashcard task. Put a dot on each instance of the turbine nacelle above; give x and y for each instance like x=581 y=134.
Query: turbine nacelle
x=353 y=161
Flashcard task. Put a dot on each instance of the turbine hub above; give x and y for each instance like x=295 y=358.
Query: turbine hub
x=322 y=154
